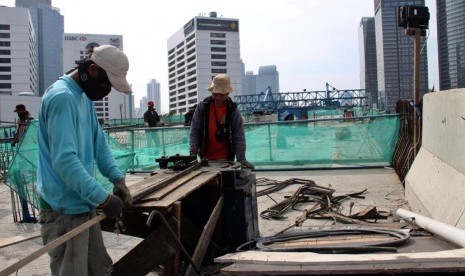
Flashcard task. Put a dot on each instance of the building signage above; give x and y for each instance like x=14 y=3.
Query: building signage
x=112 y=40
x=75 y=38
x=208 y=24
x=188 y=27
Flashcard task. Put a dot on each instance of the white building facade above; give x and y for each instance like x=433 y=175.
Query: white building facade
x=204 y=47
x=18 y=59
x=18 y=63
x=153 y=94
x=116 y=105
x=49 y=28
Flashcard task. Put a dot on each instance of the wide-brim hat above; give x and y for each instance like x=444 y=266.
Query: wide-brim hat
x=116 y=65
x=20 y=107
x=221 y=84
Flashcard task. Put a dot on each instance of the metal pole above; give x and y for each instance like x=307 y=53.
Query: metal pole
x=416 y=90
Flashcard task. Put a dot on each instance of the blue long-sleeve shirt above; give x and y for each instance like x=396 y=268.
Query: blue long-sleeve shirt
x=70 y=141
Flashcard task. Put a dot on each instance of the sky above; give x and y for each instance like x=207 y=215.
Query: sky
x=311 y=42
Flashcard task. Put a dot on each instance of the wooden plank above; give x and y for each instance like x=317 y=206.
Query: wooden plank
x=286 y=258
x=143 y=192
x=338 y=240
x=181 y=192
x=162 y=192
x=205 y=237
x=153 y=180
x=16 y=239
x=353 y=269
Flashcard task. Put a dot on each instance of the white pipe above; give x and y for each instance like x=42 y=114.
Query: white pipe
x=450 y=233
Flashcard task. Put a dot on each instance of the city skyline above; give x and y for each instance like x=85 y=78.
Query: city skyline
x=310 y=42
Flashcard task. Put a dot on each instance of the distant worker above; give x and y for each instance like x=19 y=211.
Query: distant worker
x=217 y=131
x=188 y=116
x=21 y=127
x=24 y=118
x=71 y=142
x=151 y=118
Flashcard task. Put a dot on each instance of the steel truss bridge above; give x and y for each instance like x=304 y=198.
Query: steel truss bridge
x=269 y=102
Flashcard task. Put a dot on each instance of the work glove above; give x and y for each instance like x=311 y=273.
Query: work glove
x=246 y=164
x=121 y=190
x=112 y=206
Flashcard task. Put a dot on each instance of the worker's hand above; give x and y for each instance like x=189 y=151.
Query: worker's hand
x=121 y=190
x=246 y=164
x=112 y=206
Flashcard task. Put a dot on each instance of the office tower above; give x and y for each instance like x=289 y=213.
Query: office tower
x=49 y=27
x=75 y=48
x=394 y=54
x=267 y=76
x=368 y=66
x=249 y=83
x=18 y=60
x=204 y=47
x=451 y=43
x=153 y=94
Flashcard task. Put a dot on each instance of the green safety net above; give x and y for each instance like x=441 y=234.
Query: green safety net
x=357 y=141
x=322 y=143
x=22 y=172
x=326 y=143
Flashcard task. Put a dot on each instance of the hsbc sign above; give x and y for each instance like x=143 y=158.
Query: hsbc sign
x=75 y=38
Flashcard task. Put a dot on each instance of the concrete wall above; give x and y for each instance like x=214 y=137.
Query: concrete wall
x=435 y=185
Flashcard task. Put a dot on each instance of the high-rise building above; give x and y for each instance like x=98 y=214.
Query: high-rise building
x=204 y=47
x=249 y=83
x=49 y=27
x=18 y=59
x=153 y=94
x=451 y=43
x=18 y=63
x=267 y=76
x=368 y=66
x=75 y=48
x=395 y=53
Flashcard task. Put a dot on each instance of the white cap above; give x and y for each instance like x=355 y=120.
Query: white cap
x=116 y=65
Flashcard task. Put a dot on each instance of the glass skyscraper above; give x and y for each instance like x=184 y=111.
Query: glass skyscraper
x=395 y=53
x=451 y=43
x=368 y=65
x=49 y=27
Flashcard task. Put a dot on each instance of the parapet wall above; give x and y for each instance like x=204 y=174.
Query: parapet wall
x=435 y=184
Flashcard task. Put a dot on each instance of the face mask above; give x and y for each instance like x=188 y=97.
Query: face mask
x=95 y=88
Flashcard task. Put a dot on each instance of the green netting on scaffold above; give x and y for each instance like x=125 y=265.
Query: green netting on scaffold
x=358 y=141
x=368 y=141
x=22 y=172
x=328 y=143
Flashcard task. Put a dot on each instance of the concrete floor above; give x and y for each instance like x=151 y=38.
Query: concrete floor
x=384 y=191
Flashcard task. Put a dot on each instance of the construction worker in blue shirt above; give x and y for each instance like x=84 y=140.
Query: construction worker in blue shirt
x=71 y=141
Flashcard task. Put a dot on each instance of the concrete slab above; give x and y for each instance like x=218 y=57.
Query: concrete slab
x=384 y=190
